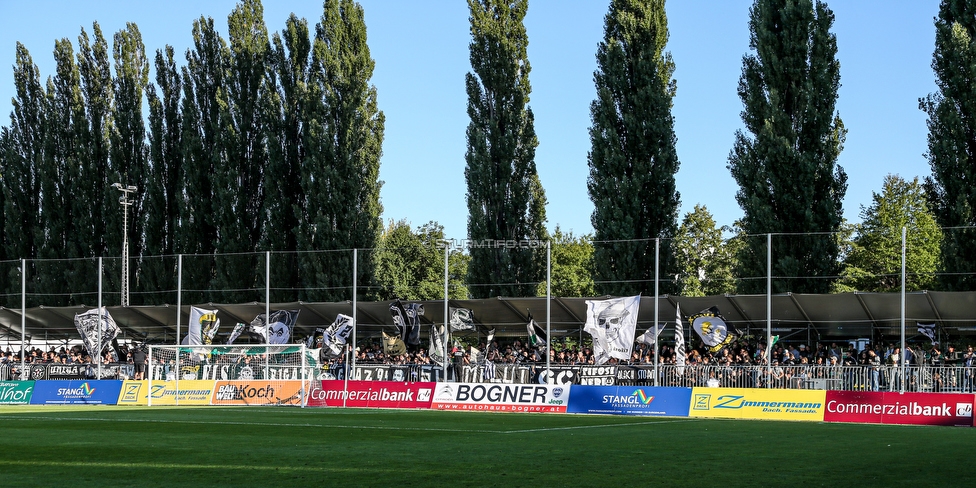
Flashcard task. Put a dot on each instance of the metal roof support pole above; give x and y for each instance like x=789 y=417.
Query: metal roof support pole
x=351 y=350
x=769 y=310
x=901 y=358
x=179 y=297
x=267 y=312
x=447 y=318
x=549 y=309
x=101 y=318
x=657 y=270
x=23 y=317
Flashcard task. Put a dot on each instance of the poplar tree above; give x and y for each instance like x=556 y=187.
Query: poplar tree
x=286 y=123
x=632 y=157
x=505 y=198
x=96 y=86
x=785 y=161
x=203 y=76
x=239 y=171
x=340 y=210
x=164 y=188
x=952 y=142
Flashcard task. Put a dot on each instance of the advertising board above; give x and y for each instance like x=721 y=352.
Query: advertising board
x=877 y=407
x=501 y=397
x=257 y=392
x=630 y=400
x=76 y=392
x=370 y=394
x=755 y=403
x=184 y=392
x=15 y=392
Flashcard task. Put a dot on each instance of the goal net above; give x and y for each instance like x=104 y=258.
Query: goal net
x=233 y=375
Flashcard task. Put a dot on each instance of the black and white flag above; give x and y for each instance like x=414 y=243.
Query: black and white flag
x=713 y=330
x=336 y=335
x=650 y=336
x=407 y=319
x=461 y=319
x=927 y=330
x=613 y=324
x=316 y=339
x=279 y=330
x=436 y=351
x=238 y=330
x=202 y=327
x=537 y=336
x=91 y=325
x=488 y=373
x=679 y=341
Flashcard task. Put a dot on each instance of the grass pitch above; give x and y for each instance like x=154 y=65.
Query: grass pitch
x=261 y=446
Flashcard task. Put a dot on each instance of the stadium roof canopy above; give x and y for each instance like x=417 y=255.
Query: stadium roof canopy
x=808 y=317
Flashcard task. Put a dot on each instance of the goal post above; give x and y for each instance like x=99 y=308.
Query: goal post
x=254 y=374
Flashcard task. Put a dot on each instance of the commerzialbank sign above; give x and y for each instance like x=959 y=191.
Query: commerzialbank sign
x=877 y=407
x=755 y=403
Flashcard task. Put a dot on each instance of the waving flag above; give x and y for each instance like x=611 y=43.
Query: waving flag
x=407 y=319
x=461 y=319
x=927 y=330
x=713 y=330
x=335 y=336
x=612 y=323
x=278 y=331
x=202 y=327
x=537 y=335
x=92 y=325
x=650 y=336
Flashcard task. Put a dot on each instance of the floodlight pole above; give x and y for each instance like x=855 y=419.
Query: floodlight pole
x=98 y=353
x=769 y=310
x=126 y=202
x=549 y=311
x=23 y=318
x=447 y=318
x=179 y=298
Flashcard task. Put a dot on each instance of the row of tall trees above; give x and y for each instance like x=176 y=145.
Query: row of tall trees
x=272 y=142
x=257 y=142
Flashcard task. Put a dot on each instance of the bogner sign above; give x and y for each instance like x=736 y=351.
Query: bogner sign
x=501 y=398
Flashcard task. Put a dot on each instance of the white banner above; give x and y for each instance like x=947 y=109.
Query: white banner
x=613 y=324
x=501 y=398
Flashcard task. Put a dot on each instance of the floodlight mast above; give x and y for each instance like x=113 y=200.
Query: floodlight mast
x=126 y=202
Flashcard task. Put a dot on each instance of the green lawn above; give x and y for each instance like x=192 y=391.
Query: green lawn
x=282 y=446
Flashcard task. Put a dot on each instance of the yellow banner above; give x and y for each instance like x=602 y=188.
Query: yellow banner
x=756 y=403
x=191 y=392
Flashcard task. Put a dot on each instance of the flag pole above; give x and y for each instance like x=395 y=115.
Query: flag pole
x=100 y=324
x=23 y=318
x=267 y=312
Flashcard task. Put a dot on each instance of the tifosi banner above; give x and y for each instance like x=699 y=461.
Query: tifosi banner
x=370 y=394
x=15 y=392
x=105 y=392
x=899 y=408
x=756 y=403
x=186 y=392
x=257 y=392
x=630 y=400
x=598 y=375
x=501 y=398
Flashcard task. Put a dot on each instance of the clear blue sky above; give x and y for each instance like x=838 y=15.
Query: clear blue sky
x=421 y=53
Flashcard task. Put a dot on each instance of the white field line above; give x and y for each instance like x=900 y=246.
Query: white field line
x=333 y=426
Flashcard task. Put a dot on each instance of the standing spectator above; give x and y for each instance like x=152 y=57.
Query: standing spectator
x=968 y=362
x=138 y=363
x=874 y=365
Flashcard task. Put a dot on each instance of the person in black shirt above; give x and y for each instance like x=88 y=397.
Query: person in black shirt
x=139 y=363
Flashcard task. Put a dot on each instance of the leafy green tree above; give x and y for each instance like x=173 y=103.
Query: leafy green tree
x=410 y=264
x=703 y=258
x=785 y=161
x=632 y=157
x=340 y=210
x=952 y=141
x=164 y=186
x=572 y=266
x=506 y=201
x=203 y=77
x=874 y=262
